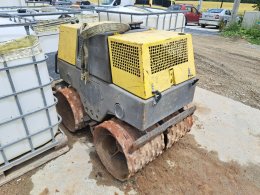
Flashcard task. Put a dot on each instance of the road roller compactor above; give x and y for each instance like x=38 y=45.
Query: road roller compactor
x=132 y=87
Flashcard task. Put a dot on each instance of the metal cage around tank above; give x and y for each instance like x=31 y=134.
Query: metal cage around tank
x=161 y=20
x=52 y=127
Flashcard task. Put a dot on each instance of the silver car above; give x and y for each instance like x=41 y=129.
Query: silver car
x=213 y=17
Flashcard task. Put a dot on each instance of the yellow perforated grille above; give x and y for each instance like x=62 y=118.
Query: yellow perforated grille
x=125 y=57
x=167 y=55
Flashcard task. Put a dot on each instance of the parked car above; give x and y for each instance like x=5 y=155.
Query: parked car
x=191 y=13
x=214 y=17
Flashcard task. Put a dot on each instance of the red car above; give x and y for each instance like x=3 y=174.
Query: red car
x=191 y=13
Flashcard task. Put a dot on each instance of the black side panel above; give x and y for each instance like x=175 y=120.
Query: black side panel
x=99 y=64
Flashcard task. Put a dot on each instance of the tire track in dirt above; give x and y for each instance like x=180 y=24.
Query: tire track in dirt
x=186 y=169
x=229 y=68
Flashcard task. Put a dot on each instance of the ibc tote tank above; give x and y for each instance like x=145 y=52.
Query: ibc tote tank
x=28 y=117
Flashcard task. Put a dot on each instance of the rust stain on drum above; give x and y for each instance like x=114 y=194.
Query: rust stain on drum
x=70 y=108
x=114 y=138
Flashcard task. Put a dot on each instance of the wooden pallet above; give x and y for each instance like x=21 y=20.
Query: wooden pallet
x=36 y=161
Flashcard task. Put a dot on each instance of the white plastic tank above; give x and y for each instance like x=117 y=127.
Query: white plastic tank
x=28 y=117
x=12 y=3
x=13 y=32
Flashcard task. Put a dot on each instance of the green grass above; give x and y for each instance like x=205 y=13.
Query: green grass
x=235 y=30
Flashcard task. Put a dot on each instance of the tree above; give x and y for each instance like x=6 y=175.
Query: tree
x=221 y=3
x=234 y=11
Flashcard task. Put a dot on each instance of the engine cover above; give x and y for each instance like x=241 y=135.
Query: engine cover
x=148 y=61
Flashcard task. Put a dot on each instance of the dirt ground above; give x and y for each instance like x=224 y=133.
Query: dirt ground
x=183 y=169
x=187 y=169
x=227 y=67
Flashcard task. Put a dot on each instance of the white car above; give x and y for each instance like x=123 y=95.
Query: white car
x=213 y=17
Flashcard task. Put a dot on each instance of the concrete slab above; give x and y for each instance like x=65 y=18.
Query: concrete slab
x=197 y=30
x=69 y=174
x=228 y=127
x=222 y=125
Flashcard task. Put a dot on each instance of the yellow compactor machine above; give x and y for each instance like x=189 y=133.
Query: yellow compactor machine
x=132 y=87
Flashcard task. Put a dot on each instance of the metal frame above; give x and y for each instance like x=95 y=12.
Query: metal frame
x=134 y=109
x=99 y=87
x=37 y=2
x=58 y=7
x=160 y=129
x=18 y=7
x=25 y=24
x=82 y=8
x=46 y=14
x=158 y=14
x=65 y=10
x=10 y=163
x=21 y=16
